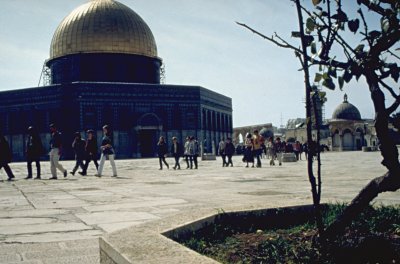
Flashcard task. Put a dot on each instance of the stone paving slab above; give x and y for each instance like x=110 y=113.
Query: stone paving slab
x=66 y=211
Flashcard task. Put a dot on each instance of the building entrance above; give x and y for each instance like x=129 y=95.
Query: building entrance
x=149 y=128
x=148 y=141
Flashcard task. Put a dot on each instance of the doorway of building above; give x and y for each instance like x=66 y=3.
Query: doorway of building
x=148 y=141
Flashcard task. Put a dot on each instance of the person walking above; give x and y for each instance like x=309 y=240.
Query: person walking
x=176 y=151
x=195 y=152
x=34 y=149
x=272 y=151
x=248 y=151
x=5 y=157
x=91 y=151
x=162 y=151
x=279 y=149
x=257 y=141
x=187 y=155
x=229 y=151
x=297 y=149
x=305 y=150
x=221 y=152
x=78 y=145
x=107 y=152
x=55 y=153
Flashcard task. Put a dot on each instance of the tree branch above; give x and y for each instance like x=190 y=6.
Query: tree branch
x=385 y=43
x=282 y=45
x=391 y=91
x=374 y=7
x=386 y=183
x=394 y=55
x=365 y=25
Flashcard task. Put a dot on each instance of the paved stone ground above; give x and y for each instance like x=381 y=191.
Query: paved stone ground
x=60 y=221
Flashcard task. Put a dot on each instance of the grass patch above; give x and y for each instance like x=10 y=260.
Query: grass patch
x=373 y=238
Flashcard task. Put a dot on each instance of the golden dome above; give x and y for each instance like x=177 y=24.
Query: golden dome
x=103 y=26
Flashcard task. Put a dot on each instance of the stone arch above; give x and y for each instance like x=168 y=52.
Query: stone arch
x=336 y=139
x=148 y=129
x=346 y=130
x=149 y=120
x=348 y=140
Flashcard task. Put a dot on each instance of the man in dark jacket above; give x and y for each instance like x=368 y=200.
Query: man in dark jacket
x=162 y=150
x=55 y=153
x=91 y=151
x=176 y=151
x=34 y=149
x=229 y=151
x=5 y=156
x=78 y=145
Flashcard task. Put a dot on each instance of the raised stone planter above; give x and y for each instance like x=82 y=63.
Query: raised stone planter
x=208 y=156
x=289 y=157
x=154 y=242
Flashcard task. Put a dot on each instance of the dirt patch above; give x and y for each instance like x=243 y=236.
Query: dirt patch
x=373 y=238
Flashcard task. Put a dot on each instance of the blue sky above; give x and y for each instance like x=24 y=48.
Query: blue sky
x=199 y=43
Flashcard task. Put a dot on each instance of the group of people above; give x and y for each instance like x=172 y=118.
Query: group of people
x=253 y=148
x=190 y=151
x=85 y=152
x=226 y=149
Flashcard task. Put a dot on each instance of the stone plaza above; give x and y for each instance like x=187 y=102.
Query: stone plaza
x=61 y=221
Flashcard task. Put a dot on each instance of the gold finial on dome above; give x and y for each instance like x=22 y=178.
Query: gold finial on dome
x=103 y=26
x=345 y=98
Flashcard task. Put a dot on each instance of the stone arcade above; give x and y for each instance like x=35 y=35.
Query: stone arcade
x=104 y=69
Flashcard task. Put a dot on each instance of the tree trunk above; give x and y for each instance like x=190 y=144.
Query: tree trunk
x=389 y=182
x=385 y=183
x=311 y=176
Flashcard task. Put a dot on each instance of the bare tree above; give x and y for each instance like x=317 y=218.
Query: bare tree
x=372 y=56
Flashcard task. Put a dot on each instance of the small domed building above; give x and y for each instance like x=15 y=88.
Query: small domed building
x=348 y=130
x=104 y=69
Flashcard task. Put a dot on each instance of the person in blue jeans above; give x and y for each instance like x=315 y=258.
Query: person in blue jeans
x=162 y=152
x=107 y=151
x=176 y=151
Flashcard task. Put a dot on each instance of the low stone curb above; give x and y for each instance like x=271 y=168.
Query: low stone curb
x=148 y=243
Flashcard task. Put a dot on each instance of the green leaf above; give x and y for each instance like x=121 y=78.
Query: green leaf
x=310 y=25
x=340 y=16
x=325 y=76
x=359 y=48
x=318 y=77
x=332 y=72
x=316 y=2
x=347 y=76
x=353 y=25
x=341 y=82
x=394 y=72
x=374 y=34
x=313 y=47
x=296 y=34
x=328 y=83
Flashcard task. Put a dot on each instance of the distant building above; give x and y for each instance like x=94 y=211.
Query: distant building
x=346 y=130
x=239 y=133
x=104 y=69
